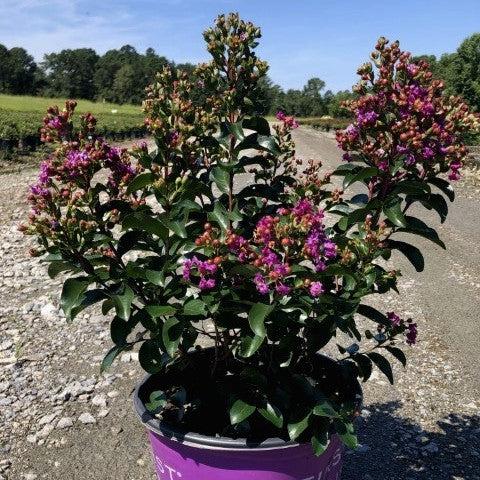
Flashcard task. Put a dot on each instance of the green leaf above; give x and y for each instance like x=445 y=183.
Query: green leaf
x=272 y=414
x=72 y=294
x=57 y=266
x=373 y=314
x=240 y=411
x=361 y=176
x=295 y=429
x=111 y=356
x=268 y=143
x=195 y=307
x=151 y=358
x=324 y=409
x=123 y=303
x=158 y=400
x=412 y=253
x=320 y=442
x=220 y=216
x=383 y=364
x=119 y=331
x=364 y=365
x=345 y=431
x=259 y=124
x=417 y=227
x=412 y=187
x=221 y=177
x=140 y=182
x=439 y=204
x=89 y=298
x=256 y=318
x=345 y=168
x=156 y=277
x=172 y=334
x=178 y=228
x=444 y=186
x=249 y=345
x=393 y=211
x=359 y=199
x=398 y=354
x=237 y=130
x=142 y=221
x=156 y=311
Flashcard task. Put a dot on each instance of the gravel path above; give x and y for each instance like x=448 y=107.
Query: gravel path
x=61 y=419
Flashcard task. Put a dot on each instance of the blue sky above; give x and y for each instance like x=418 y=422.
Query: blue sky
x=301 y=39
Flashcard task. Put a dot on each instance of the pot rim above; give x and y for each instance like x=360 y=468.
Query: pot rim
x=197 y=440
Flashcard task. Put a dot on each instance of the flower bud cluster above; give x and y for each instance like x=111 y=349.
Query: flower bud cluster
x=404 y=124
x=63 y=194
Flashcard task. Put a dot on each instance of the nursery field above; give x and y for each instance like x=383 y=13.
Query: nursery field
x=65 y=420
x=21 y=117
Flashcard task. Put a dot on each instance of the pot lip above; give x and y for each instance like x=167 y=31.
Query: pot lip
x=197 y=440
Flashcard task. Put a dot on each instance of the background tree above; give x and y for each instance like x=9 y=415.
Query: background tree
x=22 y=71
x=70 y=73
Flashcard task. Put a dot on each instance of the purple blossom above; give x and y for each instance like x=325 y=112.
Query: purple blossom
x=303 y=207
x=76 y=163
x=427 y=109
x=411 y=334
x=46 y=171
x=428 y=153
x=40 y=191
x=206 y=283
x=261 y=284
x=55 y=123
x=283 y=289
x=329 y=249
x=367 y=118
x=394 y=318
x=316 y=289
x=410 y=160
x=352 y=131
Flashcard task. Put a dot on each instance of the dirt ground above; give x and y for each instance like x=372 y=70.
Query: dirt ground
x=60 y=419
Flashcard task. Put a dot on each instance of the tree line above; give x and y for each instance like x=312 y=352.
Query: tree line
x=121 y=75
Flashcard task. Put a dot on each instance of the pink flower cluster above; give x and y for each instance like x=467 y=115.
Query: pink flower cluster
x=294 y=236
x=289 y=121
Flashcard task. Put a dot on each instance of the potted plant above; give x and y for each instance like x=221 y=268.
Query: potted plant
x=220 y=233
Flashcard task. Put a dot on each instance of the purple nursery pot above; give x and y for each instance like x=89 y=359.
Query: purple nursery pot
x=191 y=456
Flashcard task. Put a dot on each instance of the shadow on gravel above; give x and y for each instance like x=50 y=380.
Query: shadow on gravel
x=393 y=448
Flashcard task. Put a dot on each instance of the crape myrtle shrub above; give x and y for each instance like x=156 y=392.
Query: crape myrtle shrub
x=175 y=248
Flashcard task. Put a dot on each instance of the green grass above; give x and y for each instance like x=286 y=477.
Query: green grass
x=23 y=103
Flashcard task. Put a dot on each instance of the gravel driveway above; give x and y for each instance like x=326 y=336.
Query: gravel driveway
x=61 y=419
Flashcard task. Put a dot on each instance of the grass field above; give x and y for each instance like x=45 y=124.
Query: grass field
x=25 y=103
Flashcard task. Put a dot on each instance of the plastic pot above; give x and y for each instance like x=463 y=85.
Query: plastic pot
x=192 y=456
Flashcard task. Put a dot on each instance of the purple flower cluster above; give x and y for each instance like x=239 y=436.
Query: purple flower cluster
x=293 y=235
x=411 y=331
x=368 y=117
x=77 y=164
x=206 y=270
